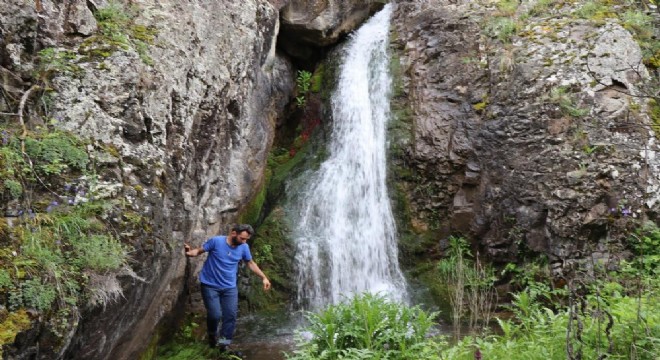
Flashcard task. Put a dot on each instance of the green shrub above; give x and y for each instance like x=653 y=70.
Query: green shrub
x=38 y=295
x=99 y=253
x=502 y=28
x=56 y=152
x=540 y=333
x=368 y=327
x=14 y=187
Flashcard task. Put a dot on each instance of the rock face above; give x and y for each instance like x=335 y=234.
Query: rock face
x=192 y=120
x=534 y=146
x=308 y=26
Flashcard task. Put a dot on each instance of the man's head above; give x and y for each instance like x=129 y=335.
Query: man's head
x=241 y=233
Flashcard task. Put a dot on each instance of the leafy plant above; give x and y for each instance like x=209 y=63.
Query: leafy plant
x=38 y=295
x=14 y=187
x=368 y=327
x=303 y=83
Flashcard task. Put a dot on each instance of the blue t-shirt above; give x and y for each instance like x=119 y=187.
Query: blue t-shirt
x=221 y=265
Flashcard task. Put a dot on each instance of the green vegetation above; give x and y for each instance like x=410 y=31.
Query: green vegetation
x=368 y=327
x=51 y=61
x=501 y=28
x=303 y=85
x=603 y=317
x=58 y=253
x=118 y=31
x=507 y=7
x=598 y=313
x=271 y=249
x=469 y=285
x=188 y=351
x=595 y=11
x=566 y=101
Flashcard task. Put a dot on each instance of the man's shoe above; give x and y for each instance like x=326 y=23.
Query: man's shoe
x=229 y=350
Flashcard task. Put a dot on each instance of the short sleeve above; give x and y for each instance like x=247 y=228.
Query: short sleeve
x=209 y=245
x=247 y=256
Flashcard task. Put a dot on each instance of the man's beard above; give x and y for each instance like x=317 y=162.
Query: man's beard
x=234 y=241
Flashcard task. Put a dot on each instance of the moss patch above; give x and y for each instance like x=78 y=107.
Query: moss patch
x=13 y=323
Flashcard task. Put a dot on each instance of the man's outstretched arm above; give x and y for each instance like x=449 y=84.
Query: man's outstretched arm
x=255 y=269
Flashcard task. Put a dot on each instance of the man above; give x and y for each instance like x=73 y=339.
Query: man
x=218 y=280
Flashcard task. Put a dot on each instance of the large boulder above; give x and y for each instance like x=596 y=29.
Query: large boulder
x=310 y=25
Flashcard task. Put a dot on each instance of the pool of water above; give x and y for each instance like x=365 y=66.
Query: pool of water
x=267 y=336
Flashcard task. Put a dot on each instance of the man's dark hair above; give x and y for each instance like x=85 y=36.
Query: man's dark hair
x=239 y=228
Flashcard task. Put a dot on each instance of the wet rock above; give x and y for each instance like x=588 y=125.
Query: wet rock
x=310 y=25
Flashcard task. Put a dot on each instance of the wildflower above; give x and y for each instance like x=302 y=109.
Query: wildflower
x=477 y=355
x=5 y=137
x=613 y=210
x=51 y=206
x=71 y=201
x=67 y=187
x=626 y=212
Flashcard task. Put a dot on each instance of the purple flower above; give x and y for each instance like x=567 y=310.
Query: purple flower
x=626 y=212
x=52 y=205
x=71 y=201
x=67 y=187
x=5 y=137
x=613 y=210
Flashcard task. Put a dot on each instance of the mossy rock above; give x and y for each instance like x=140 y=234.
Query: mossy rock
x=13 y=323
x=273 y=251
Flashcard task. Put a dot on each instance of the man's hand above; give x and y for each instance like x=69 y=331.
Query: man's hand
x=192 y=252
x=266 y=283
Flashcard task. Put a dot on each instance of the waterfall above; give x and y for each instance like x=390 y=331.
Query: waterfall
x=346 y=237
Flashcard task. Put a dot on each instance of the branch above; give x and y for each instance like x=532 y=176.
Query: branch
x=21 y=106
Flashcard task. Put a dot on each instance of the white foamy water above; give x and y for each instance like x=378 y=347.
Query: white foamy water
x=346 y=236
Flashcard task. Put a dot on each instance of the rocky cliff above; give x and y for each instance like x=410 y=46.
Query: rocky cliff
x=526 y=128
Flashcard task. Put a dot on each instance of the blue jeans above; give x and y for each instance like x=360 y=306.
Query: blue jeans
x=220 y=304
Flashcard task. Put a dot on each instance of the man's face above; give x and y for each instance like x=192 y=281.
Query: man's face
x=239 y=238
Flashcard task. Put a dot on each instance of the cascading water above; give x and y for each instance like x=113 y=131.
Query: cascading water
x=346 y=237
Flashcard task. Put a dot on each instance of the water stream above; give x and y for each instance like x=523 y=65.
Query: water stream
x=346 y=236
